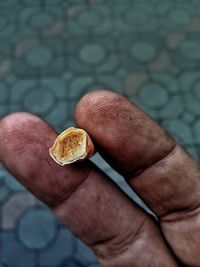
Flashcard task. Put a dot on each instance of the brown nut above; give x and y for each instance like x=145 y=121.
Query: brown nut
x=72 y=145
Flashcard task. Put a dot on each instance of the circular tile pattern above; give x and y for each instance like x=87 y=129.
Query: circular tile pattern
x=39 y=100
x=92 y=53
x=89 y=19
x=197 y=131
x=40 y=56
x=59 y=250
x=8 y=4
x=191 y=104
x=37 y=228
x=179 y=17
x=72 y=263
x=190 y=49
x=55 y=2
x=4 y=92
x=41 y=20
x=12 y=183
x=3 y=23
x=179 y=130
x=196 y=90
x=153 y=95
x=136 y=16
x=143 y=51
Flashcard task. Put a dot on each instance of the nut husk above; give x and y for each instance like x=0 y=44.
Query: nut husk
x=72 y=145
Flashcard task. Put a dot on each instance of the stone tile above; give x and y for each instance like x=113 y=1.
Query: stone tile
x=136 y=15
x=190 y=49
x=37 y=228
x=72 y=262
x=133 y=83
x=11 y=182
x=162 y=8
x=92 y=55
x=44 y=58
x=193 y=152
x=33 y=97
x=72 y=13
x=57 y=29
x=6 y=49
x=13 y=252
x=14 y=209
x=174 y=108
x=6 y=67
x=36 y=19
x=196 y=90
x=4 y=193
x=187 y=79
x=174 y=40
x=52 y=2
x=168 y=81
x=95 y=20
x=22 y=47
x=187 y=117
x=84 y=252
x=153 y=95
x=179 y=16
x=57 y=85
x=143 y=51
x=162 y=63
x=58 y=114
x=31 y=2
x=149 y=110
x=4 y=92
x=4 y=110
x=135 y=52
x=9 y=4
x=76 y=2
x=79 y=86
x=63 y=245
x=191 y=104
x=197 y=131
x=11 y=79
x=194 y=25
x=179 y=130
x=8 y=24
x=90 y=18
x=39 y=101
x=109 y=82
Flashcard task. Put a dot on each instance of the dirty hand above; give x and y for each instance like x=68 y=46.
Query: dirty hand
x=91 y=205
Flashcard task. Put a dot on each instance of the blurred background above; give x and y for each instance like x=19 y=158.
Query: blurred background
x=54 y=51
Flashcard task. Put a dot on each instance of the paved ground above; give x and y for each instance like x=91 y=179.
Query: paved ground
x=51 y=53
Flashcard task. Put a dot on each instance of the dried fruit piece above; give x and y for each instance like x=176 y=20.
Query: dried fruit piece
x=71 y=145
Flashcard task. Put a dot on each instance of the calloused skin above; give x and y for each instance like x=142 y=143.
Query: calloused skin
x=119 y=232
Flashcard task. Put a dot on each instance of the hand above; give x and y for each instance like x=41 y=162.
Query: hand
x=91 y=205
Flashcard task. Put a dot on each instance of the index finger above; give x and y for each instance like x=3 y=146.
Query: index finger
x=162 y=173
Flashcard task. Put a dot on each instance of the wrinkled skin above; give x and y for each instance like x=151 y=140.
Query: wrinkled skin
x=91 y=205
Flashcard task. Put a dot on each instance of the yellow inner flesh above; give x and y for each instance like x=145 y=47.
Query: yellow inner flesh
x=70 y=146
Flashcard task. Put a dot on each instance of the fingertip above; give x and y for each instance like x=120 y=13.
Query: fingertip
x=93 y=103
x=17 y=119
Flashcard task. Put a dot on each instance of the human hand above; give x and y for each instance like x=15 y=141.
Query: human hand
x=91 y=205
